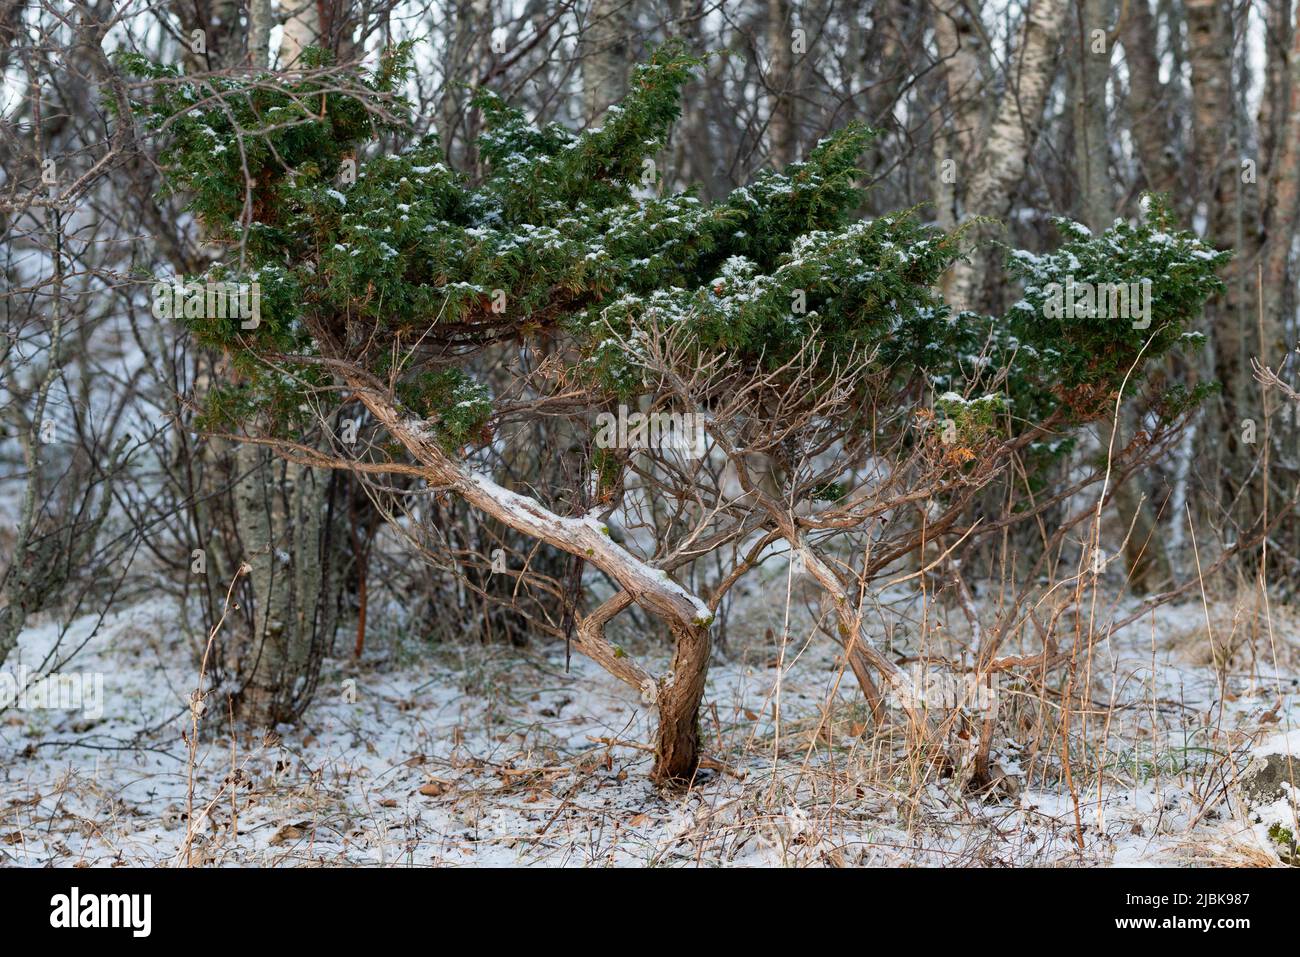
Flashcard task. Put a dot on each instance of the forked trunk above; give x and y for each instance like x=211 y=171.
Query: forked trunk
x=677 y=694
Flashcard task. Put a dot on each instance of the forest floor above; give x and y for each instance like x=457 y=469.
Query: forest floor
x=480 y=755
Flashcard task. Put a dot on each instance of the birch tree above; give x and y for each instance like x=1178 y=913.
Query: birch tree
x=994 y=171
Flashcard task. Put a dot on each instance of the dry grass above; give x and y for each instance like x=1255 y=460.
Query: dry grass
x=1238 y=636
x=484 y=754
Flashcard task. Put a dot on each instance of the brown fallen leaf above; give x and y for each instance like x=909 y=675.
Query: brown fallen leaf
x=388 y=802
x=435 y=788
x=640 y=819
x=290 y=832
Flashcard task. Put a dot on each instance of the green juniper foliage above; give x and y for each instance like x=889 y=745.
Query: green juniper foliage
x=1100 y=348
x=417 y=263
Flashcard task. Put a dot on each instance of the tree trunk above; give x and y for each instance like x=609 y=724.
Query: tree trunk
x=302 y=29
x=1148 y=107
x=1144 y=555
x=961 y=51
x=677 y=744
x=260 y=21
x=782 y=124
x=1005 y=154
x=606 y=53
x=1282 y=217
x=289 y=529
x=1091 y=144
x=1220 y=192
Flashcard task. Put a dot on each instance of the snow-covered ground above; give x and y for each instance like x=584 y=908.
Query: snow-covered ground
x=423 y=755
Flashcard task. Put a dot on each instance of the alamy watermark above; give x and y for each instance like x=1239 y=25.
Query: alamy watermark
x=130 y=911
x=209 y=300
x=678 y=431
x=1099 y=300
x=945 y=691
x=68 y=691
